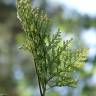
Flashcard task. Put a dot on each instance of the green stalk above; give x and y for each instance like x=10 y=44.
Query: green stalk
x=41 y=93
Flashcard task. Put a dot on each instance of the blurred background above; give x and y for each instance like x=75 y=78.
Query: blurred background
x=76 y=18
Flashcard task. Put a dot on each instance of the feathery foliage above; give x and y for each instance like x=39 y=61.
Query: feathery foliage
x=55 y=61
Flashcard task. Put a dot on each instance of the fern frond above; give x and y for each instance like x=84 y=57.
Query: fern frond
x=55 y=61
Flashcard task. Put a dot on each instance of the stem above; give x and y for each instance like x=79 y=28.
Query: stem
x=44 y=90
x=38 y=80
